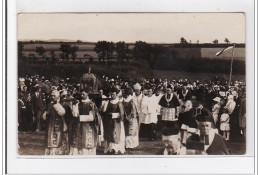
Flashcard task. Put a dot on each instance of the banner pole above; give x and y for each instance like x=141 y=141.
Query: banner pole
x=231 y=66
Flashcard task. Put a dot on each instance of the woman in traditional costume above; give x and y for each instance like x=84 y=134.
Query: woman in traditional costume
x=130 y=122
x=85 y=124
x=56 y=127
x=114 y=132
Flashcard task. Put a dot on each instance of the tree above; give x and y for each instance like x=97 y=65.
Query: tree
x=227 y=41
x=215 y=41
x=121 y=50
x=101 y=49
x=68 y=50
x=110 y=50
x=20 y=50
x=65 y=48
x=73 y=51
x=41 y=51
x=183 y=40
x=142 y=51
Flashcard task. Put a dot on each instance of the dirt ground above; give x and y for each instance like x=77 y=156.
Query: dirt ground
x=32 y=143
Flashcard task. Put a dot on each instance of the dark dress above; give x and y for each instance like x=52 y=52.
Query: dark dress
x=112 y=127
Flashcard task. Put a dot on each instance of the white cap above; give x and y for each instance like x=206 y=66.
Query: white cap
x=137 y=86
x=221 y=93
x=217 y=99
x=234 y=93
x=64 y=93
x=55 y=92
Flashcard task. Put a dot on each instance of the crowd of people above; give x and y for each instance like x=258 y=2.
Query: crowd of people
x=189 y=117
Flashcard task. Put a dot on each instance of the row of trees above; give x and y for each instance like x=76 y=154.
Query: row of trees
x=215 y=41
x=108 y=51
x=67 y=52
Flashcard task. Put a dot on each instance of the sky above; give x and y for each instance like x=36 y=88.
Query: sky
x=131 y=27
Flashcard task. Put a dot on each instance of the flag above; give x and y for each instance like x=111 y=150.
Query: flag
x=220 y=52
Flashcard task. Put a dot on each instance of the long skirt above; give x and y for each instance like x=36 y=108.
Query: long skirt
x=84 y=151
x=62 y=150
x=132 y=141
x=117 y=148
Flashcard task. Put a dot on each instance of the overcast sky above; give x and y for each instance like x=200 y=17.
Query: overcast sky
x=131 y=27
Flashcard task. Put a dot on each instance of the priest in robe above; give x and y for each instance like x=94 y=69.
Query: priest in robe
x=56 y=131
x=170 y=104
x=85 y=125
x=113 y=120
x=214 y=144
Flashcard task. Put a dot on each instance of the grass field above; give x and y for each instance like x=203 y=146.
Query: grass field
x=193 y=75
x=32 y=143
x=137 y=70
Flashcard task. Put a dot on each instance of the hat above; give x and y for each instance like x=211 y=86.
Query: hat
x=234 y=93
x=127 y=91
x=113 y=89
x=53 y=88
x=222 y=94
x=21 y=79
x=147 y=86
x=55 y=92
x=217 y=99
x=203 y=118
x=64 y=93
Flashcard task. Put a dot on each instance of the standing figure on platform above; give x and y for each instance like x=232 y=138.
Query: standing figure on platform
x=149 y=109
x=170 y=104
x=131 y=123
x=114 y=131
x=56 y=130
x=85 y=125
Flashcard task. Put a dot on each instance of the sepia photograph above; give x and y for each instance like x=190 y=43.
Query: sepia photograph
x=131 y=84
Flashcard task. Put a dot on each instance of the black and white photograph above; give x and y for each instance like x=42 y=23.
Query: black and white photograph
x=131 y=84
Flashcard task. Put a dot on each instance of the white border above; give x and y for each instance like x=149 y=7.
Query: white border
x=216 y=165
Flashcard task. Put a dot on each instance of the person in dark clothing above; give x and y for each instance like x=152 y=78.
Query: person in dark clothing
x=214 y=144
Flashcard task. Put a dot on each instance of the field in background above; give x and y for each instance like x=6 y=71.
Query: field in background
x=193 y=76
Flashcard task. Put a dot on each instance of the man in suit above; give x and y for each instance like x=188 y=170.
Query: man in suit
x=39 y=106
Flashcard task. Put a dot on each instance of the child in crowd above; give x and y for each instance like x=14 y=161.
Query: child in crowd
x=224 y=124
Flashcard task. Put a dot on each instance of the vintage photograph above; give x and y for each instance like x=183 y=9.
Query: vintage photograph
x=131 y=84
